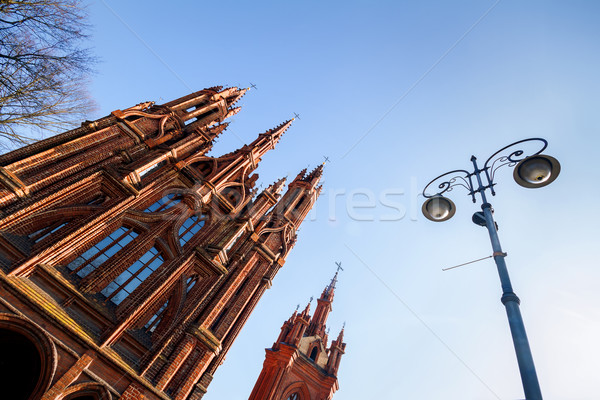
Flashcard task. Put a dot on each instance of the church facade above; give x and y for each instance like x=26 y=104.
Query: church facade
x=129 y=259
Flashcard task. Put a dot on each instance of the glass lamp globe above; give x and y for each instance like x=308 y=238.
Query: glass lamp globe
x=438 y=209
x=536 y=171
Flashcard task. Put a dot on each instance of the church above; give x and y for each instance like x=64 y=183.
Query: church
x=130 y=259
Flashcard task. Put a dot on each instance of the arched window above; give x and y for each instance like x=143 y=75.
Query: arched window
x=132 y=277
x=102 y=251
x=190 y=227
x=293 y=396
x=313 y=353
x=156 y=318
x=167 y=201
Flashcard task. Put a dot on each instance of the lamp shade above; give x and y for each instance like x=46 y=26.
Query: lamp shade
x=438 y=209
x=536 y=171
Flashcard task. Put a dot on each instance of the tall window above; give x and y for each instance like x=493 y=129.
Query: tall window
x=313 y=353
x=156 y=318
x=167 y=201
x=132 y=277
x=293 y=396
x=43 y=233
x=151 y=168
x=191 y=282
x=102 y=251
x=217 y=321
x=190 y=227
x=239 y=234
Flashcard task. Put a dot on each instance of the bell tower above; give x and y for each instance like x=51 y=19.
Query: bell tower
x=300 y=366
x=130 y=259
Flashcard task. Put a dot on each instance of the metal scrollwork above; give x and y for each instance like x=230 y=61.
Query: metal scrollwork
x=458 y=177
x=511 y=159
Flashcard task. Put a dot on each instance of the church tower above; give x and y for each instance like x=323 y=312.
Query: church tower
x=129 y=259
x=300 y=366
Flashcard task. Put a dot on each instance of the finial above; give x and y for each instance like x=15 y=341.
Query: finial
x=311 y=299
x=315 y=174
x=331 y=286
x=297 y=307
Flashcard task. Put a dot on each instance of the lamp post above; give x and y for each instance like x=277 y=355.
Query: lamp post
x=532 y=171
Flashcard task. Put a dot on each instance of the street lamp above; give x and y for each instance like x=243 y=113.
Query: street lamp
x=536 y=170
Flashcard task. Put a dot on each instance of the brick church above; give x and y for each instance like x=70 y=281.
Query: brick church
x=299 y=366
x=130 y=260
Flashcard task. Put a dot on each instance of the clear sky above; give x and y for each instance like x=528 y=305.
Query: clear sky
x=395 y=93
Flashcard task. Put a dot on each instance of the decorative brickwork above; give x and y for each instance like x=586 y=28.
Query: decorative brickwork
x=132 y=257
x=299 y=366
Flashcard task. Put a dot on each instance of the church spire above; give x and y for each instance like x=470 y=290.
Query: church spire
x=337 y=349
x=266 y=141
x=301 y=350
x=276 y=187
x=324 y=306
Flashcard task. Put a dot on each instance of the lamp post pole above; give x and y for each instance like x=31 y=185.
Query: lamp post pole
x=534 y=171
x=511 y=301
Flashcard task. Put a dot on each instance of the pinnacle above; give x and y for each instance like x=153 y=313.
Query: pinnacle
x=280 y=129
x=340 y=337
x=329 y=290
x=293 y=316
x=276 y=187
x=269 y=139
x=301 y=175
x=216 y=130
x=316 y=173
x=236 y=96
x=232 y=112
x=307 y=309
x=319 y=190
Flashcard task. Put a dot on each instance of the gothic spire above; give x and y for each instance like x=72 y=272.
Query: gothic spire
x=306 y=311
x=316 y=173
x=329 y=289
x=277 y=186
x=340 y=338
x=266 y=141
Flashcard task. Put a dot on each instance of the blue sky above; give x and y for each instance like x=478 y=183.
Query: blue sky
x=396 y=93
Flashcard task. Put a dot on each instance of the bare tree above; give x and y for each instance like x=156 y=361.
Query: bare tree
x=43 y=67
